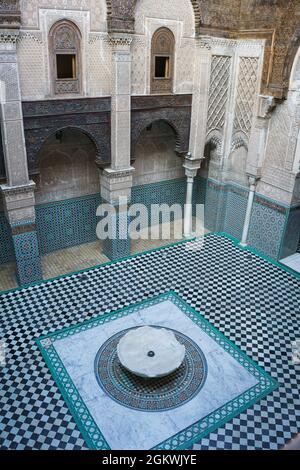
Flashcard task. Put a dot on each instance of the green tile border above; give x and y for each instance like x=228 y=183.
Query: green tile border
x=186 y=437
x=180 y=242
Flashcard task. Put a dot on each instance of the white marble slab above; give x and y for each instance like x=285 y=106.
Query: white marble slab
x=124 y=428
x=292 y=262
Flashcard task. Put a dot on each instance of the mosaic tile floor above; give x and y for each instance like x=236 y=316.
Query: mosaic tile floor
x=79 y=257
x=251 y=301
x=216 y=381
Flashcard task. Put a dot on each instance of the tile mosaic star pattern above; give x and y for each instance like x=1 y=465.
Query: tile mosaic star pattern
x=252 y=302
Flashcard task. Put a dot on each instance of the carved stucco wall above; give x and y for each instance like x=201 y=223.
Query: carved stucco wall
x=235 y=71
x=282 y=156
x=178 y=16
x=30 y=11
x=33 y=55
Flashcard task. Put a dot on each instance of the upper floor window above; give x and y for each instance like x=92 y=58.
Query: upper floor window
x=65 y=58
x=162 y=61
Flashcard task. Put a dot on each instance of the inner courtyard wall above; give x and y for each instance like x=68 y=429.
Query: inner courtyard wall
x=33 y=45
x=68 y=187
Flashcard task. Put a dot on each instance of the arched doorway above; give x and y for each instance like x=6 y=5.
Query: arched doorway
x=159 y=175
x=67 y=197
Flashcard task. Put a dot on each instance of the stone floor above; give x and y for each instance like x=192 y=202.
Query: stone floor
x=292 y=262
x=254 y=303
x=86 y=256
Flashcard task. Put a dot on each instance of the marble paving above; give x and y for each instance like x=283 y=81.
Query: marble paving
x=231 y=376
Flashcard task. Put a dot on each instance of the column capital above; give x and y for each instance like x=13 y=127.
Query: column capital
x=116 y=184
x=254 y=178
x=19 y=202
x=266 y=105
x=191 y=165
x=12 y=191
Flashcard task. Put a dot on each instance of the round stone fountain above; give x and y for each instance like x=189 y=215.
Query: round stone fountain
x=150 y=352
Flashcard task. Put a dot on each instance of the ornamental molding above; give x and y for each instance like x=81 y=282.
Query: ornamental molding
x=20 y=228
x=120 y=40
x=9 y=37
x=203 y=43
x=93 y=38
x=209 y=42
x=238 y=141
x=111 y=174
x=266 y=105
x=10 y=191
x=37 y=37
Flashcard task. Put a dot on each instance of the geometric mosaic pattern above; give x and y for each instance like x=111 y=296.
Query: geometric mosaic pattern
x=28 y=262
x=6 y=244
x=267 y=228
x=161 y=394
x=218 y=92
x=252 y=302
x=67 y=223
x=246 y=90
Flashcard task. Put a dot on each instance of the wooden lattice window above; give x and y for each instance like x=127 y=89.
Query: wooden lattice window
x=65 y=58
x=162 y=61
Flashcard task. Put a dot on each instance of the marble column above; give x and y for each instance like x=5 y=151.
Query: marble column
x=191 y=166
x=116 y=181
x=256 y=154
x=252 y=182
x=18 y=192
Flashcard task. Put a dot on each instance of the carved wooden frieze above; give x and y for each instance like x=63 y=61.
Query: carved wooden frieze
x=10 y=15
x=42 y=119
x=173 y=109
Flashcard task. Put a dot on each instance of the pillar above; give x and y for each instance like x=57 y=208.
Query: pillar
x=116 y=181
x=200 y=98
x=191 y=166
x=256 y=154
x=201 y=84
x=258 y=138
x=18 y=192
x=252 y=188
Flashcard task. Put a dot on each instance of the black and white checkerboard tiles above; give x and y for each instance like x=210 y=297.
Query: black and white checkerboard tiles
x=254 y=303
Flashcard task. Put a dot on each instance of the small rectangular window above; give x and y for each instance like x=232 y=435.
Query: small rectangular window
x=66 y=66
x=162 y=67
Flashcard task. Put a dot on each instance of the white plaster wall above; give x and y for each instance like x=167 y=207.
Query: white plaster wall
x=156 y=159
x=67 y=169
x=282 y=154
x=38 y=16
x=178 y=16
x=236 y=167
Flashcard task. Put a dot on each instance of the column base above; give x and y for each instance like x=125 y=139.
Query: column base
x=119 y=246
x=27 y=256
x=116 y=249
x=19 y=205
